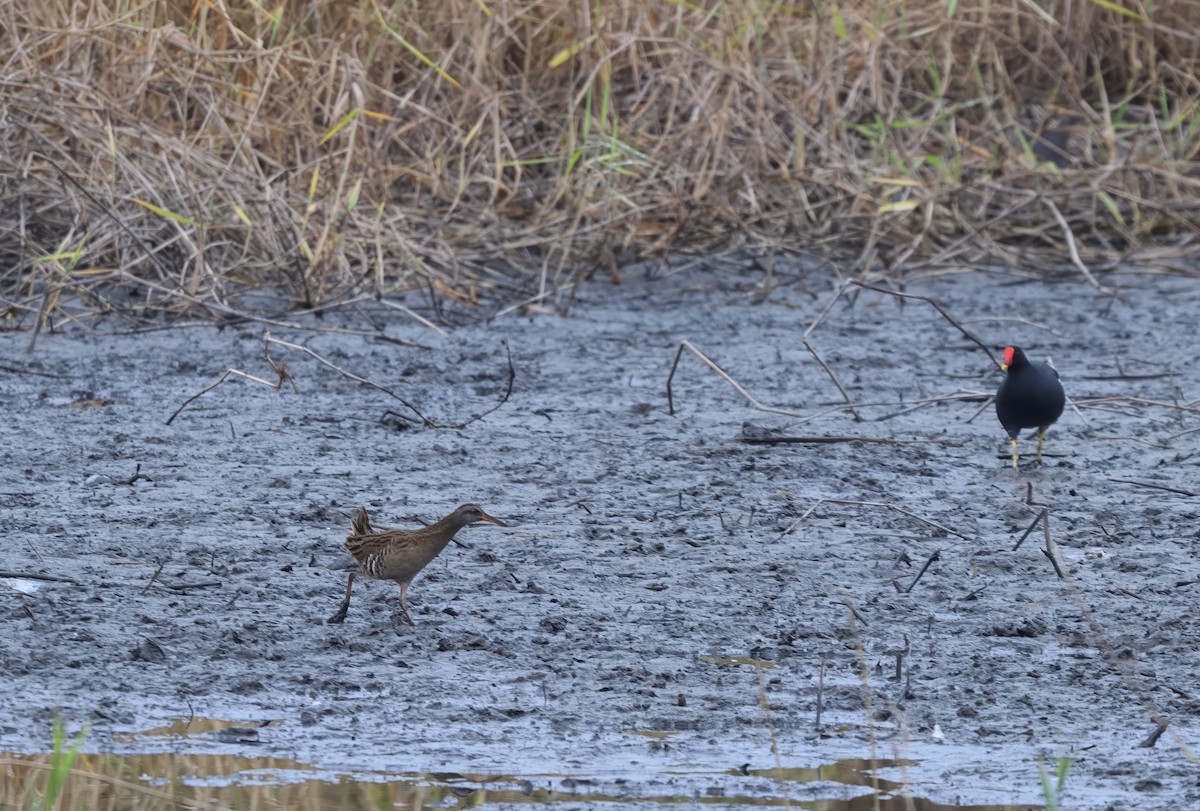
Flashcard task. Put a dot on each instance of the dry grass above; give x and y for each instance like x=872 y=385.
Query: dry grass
x=167 y=156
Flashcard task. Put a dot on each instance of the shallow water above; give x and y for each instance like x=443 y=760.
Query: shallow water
x=240 y=782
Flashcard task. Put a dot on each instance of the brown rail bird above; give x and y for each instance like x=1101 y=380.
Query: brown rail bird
x=1029 y=397
x=399 y=554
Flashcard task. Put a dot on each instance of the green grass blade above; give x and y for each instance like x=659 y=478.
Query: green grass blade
x=62 y=759
x=412 y=49
x=166 y=213
x=1117 y=9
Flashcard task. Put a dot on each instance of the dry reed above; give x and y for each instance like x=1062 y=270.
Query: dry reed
x=158 y=156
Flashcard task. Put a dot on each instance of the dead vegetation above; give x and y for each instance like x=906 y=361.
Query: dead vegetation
x=162 y=157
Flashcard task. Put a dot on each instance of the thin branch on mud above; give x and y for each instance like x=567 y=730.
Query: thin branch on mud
x=1074 y=251
x=137 y=476
x=816 y=322
x=820 y=692
x=1030 y=529
x=154 y=576
x=37 y=576
x=1175 y=436
x=283 y=375
x=1015 y=320
x=1050 y=550
x=755 y=404
x=1154 y=486
x=854 y=611
x=971 y=595
x=1149 y=443
x=279 y=368
x=849 y=405
x=1124 y=377
x=837 y=383
x=18 y=370
x=910 y=296
x=1099 y=402
x=1043 y=518
x=268 y=340
x=957 y=397
x=884 y=504
x=420 y=319
x=204 y=584
x=936 y=556
x=982 y=408
x=833 y=440
x=1050 y=555
x=425 y=421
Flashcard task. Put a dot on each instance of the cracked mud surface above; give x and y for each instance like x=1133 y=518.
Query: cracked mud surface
x=649 y=559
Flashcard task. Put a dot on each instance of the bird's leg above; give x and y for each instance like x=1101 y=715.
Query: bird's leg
x=1041 y=441
x=340 y=616
x=404 y=603
x=1016 y=454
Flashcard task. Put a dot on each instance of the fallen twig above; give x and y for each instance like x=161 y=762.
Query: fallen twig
x=885 y=504
x=4 y=367
x=420 y=319
x=224 y=376
x=854 y=611
x=1154 y=486
x=936 y=556
x=427 y=422
x=137 y=476
x=982 y=408
x=1073 y=250
x=1097 y=402
x=1029 y=531
x=917 y=405
x=820 y=692
x=282 y=373
x=205 y=584
x=38 y=576
x=755 y=404
x=816 y=322
x=1156 y=376
x=279 y=367
x=153 y=577
x=1013 y=319
x=1050 y=551
x=833 y=440
x=912 y=296
x=837 y=383
x=1054 y=562
x=1175 y=436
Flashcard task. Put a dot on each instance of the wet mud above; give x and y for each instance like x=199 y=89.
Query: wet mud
x=667 y=597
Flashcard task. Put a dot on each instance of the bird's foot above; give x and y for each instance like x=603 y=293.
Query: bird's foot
x=1041 y=441
x=407 y=617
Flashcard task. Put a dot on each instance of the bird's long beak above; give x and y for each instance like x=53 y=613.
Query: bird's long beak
x=1004 y=367
x=492 y=520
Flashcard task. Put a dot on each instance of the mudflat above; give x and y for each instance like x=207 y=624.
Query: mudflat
x=668 y=598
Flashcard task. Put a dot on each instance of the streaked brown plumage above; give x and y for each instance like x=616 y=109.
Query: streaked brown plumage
x=400 y=554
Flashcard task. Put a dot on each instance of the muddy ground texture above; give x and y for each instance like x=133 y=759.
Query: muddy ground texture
x=659 y=573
